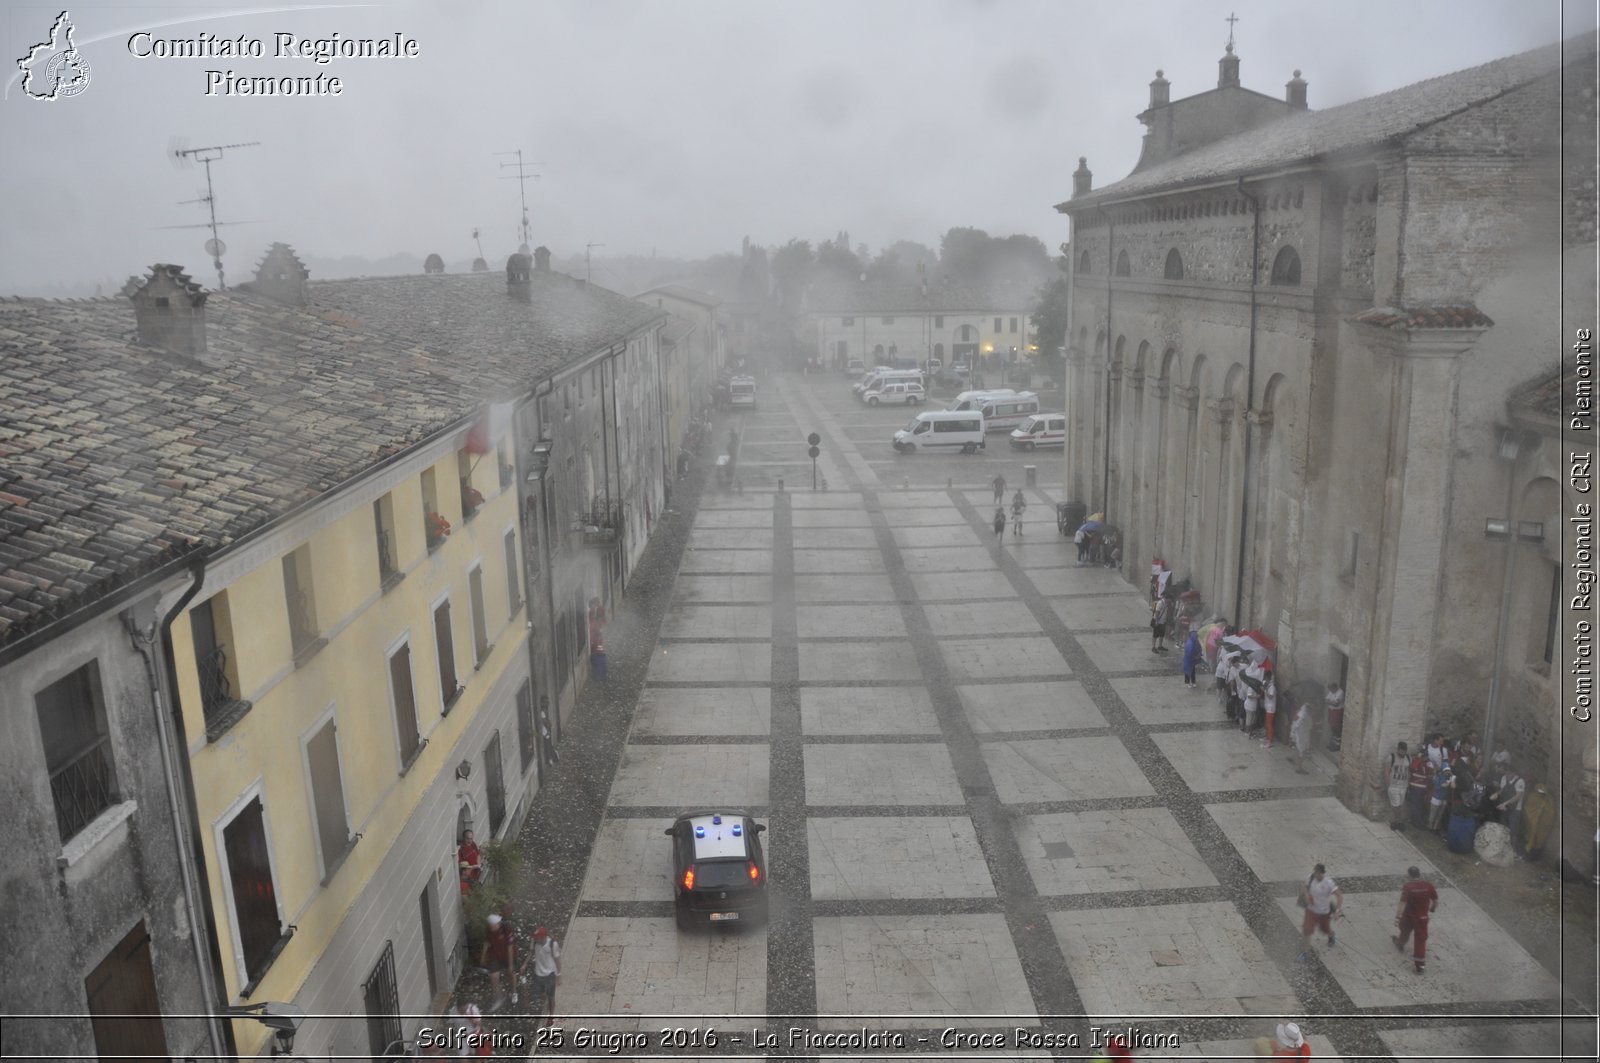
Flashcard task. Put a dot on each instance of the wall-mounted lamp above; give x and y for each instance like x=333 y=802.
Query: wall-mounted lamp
x=1497 y=529
x=464 y=770
x=1530 y=531
x=282 y=1019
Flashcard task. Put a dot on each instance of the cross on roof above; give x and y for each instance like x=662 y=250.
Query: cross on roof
x=1230 y=20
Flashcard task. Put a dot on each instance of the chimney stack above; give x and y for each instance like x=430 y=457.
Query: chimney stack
x=1228 y=69
x=1082 y=177
x=1295 y=92
x=1160 y=90
x=169 y=310
x=519 y=277
x=541 y=259
x=281 y=277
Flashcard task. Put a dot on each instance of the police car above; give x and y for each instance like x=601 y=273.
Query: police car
x=719 y=872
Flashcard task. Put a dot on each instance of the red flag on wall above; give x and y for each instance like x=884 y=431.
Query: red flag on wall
x=492 y=423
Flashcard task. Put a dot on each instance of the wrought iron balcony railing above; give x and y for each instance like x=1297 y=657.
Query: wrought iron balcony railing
x=602 y=523
x=222 y=708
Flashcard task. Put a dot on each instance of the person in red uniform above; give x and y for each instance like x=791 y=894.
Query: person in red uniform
x=468 y=855
x=1418 y=900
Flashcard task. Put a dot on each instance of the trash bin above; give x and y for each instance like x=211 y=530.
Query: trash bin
x=1030 y=475
x=597 y=662
x=1069 y=515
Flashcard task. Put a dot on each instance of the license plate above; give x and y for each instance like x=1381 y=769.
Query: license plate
x=717 y=917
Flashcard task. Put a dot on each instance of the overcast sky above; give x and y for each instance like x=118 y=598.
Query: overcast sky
x=678 y=127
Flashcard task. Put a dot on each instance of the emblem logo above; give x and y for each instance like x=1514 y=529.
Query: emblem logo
x=54 y=69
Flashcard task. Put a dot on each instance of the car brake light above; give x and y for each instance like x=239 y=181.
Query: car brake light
x=688 y=879
x=755 y=872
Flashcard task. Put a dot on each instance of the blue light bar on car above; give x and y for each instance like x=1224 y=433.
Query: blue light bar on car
x=699 y=832
x=716 y=820
x=737 y=830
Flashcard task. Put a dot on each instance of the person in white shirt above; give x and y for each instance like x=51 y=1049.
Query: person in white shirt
x=1324 y=902
x=1269 y=701
x=546 y=971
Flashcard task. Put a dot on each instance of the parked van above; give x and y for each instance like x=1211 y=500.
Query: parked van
x=906 y=392
x=742 y=391
x=942 y=430
x=870 y=377
x=1041 y=430
x=1001 y=413
x=974 y=400
x=876 y=381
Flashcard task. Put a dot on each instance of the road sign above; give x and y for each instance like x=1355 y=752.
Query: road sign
x=813 y=439
x=814 y=452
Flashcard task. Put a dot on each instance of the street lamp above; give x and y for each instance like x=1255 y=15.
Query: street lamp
x=282 y=1019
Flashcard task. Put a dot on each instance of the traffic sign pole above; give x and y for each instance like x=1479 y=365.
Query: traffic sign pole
x=814 y=439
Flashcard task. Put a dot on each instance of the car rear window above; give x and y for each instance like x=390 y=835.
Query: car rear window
x=720 y=874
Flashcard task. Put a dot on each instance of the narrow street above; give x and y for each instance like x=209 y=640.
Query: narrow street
x=990 y=806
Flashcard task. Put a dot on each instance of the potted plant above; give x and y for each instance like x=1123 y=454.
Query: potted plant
x=438 y=529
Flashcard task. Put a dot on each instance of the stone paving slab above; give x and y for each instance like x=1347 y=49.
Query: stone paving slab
x=1034 y=552
x=1212 y=761
x=726 y=562
x=935 y=968
x=1469 y=957
x=851 y=500
x=631 y=861
x=691 y=662
x=1063 y=769
x=1282 y=839
x=946 y=515
x=1128 y=652
x=910 y=773
x=710 y=588
x=858 y=588
x=831 y=662
x=981 y=618
x=835 y=538
x=1074 y=580
x=1047 y=706
x=895 y=858
x=867 y=710
x=834 y=621
x=614 y=966
x=716 y=500
x=963 y=586
x=869 y=562
x=1022 y=657
x=703 y=711
x=733 y=518
x=1178 y=959
x=1529 y=1042
x=1087 y=613
x=1109 y=851
x=936 y=535
x=942 y=559
x=1157 y=700
x=853 y=517
x=898 y=499
x=692 y=776
x=730 y=539
x=695 y=621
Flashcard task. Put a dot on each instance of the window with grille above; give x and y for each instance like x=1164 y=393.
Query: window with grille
x=405 y=705
x=495 y=782
x=255 y=895
x=383 y=532
x=77 y=748
x=298 y=593
x=381 y=997
x=211 y=631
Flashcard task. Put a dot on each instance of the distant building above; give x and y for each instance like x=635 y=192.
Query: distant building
x=1294 y=338
x=694 y=351
x=951 y=323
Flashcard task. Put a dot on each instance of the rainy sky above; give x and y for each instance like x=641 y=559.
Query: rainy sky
x=674 y=126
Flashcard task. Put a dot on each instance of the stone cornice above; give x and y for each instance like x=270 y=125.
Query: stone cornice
x=1188 y=398
x=1221 y=410
x=1159 y=387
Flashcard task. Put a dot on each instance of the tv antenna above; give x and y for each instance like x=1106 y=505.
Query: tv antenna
x=521 y=177
x=586 y=249
x=185 y=157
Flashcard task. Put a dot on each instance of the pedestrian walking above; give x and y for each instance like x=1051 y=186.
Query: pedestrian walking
x=1018 y=504
x=999 y=483
x=1191 y=659
x=1289 y=1043
x=1080 y=539
x=1000 y=525
x=1300 y=736
x=1269 y=702
x=546 y=739
x=546 y=972
x=1398 y=775
x=477 y=1041
x=1333 y=702
x=1418 y=901
x=1323 y=901
x=499 y=955
x=1160 y=617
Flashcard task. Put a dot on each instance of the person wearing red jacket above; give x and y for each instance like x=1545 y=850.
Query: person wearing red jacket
x=1418 y=901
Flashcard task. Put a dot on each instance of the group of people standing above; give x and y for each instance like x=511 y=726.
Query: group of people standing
x=1246 y=686
x=1445 y=787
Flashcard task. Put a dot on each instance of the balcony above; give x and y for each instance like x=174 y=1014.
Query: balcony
x=602 y=523
x=222 y=709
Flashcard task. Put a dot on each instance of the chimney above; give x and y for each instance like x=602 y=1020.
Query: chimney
x=519 y=277
x=1295 y=92
x=1160 y=90
x=169 y=310
x=281 y=277
x=1228 y=69
x=541 y=259
x=1082 y=178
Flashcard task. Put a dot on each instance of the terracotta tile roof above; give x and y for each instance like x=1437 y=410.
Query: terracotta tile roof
x=1553 y=397
x=1424 y=317
x=115 y=457
x=684 y=292
x=913 y=298
x=1307 y=135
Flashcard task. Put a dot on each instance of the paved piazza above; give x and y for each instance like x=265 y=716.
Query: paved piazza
x=989 y=804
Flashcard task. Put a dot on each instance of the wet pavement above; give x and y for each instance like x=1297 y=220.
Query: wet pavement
x=990 y=806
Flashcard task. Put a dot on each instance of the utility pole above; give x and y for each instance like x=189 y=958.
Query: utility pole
x=586 y=262
x=185 y=157
x=525 y=231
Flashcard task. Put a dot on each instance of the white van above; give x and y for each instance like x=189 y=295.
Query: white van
x=942 y=430
x=974 y=400
x=868 y=377
x=742 y=391
x=1041 y=430
x=876 y=381
x=1001 y=413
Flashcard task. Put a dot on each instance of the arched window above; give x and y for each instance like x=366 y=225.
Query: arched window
x=1083 y=262
x=1174 y=265
x=1286 y=268
x=1122 y=264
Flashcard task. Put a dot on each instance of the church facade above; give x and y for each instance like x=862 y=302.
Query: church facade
x=1298 y=362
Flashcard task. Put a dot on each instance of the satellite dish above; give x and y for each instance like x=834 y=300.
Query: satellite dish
x=216 y=248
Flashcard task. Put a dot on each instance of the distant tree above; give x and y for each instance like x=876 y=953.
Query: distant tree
x=973 y=257
x=963 y=255
x=1049 y=316
x=836 y=263
x=755 y=282
x=792 y=265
